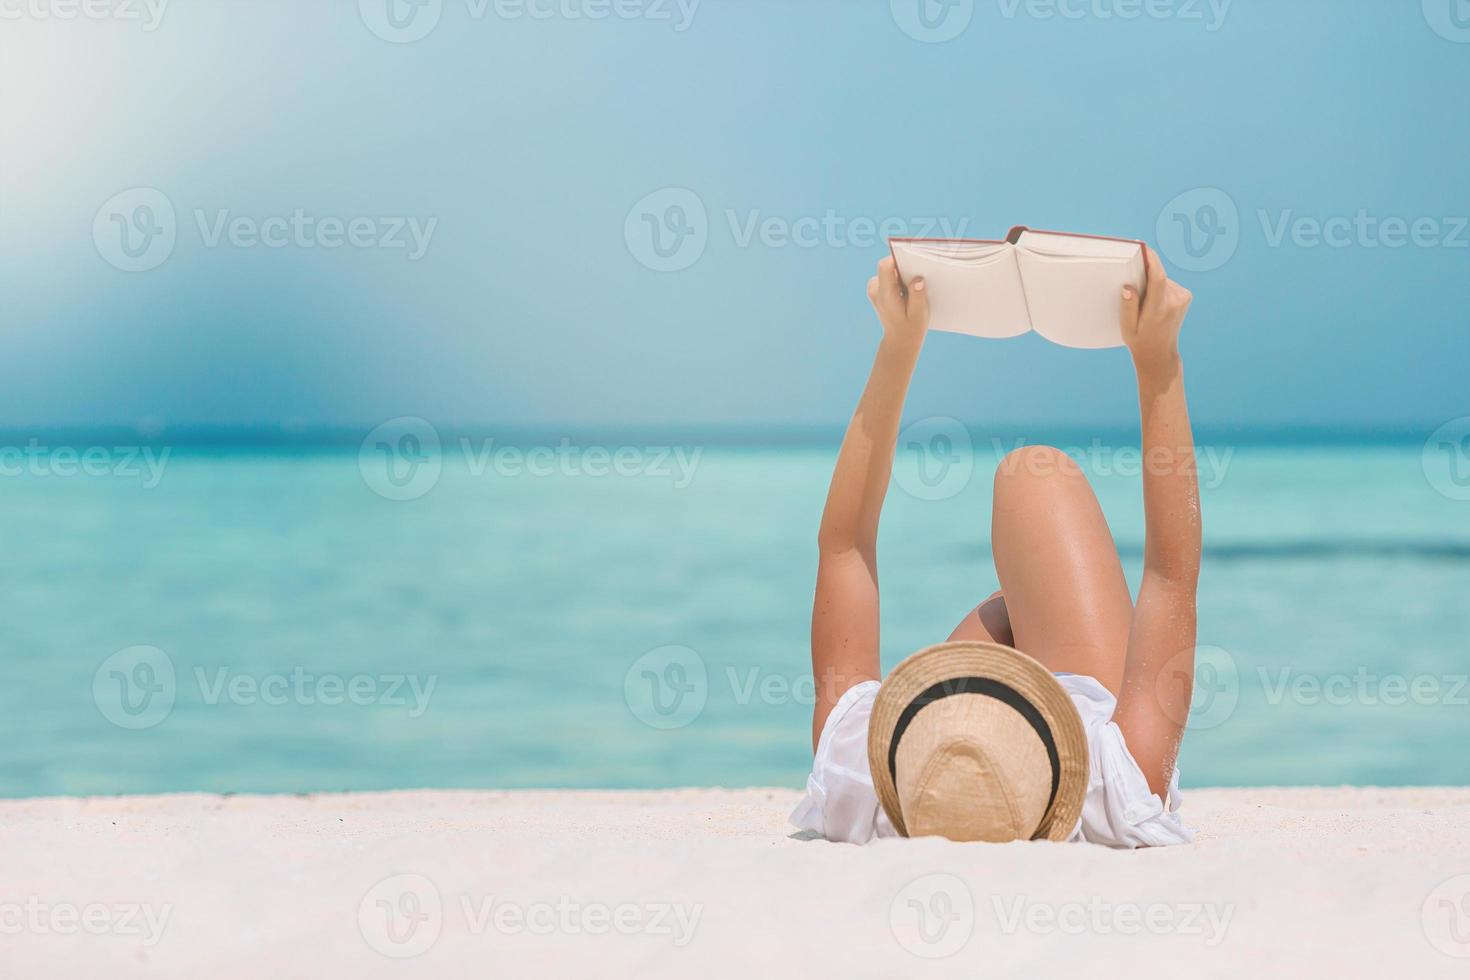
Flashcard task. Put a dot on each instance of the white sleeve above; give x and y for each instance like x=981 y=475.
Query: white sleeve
x=1120 y=809
x=840 y=803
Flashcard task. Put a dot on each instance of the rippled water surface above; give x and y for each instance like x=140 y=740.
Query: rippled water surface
x=266 y=622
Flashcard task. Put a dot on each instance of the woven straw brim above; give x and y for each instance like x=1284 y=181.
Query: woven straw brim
x=949 y=661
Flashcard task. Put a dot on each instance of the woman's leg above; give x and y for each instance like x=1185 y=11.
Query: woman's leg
x=988 y=622
x=1065 y=595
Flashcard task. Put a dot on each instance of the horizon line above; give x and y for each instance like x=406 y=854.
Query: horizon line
x=787 y=435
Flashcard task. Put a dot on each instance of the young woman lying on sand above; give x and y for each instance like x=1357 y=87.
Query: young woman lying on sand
x=1048 y=714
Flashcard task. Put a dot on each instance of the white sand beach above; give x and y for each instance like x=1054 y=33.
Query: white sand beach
x=693 y=883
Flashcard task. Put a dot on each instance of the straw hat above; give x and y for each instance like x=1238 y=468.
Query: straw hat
x=977 y=742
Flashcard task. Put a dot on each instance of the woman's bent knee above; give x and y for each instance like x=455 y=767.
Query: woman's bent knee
x=1035 y=463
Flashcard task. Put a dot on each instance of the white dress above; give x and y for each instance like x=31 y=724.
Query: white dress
x=1120 y=810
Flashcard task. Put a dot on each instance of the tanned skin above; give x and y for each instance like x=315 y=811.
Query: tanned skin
x=1063 y=598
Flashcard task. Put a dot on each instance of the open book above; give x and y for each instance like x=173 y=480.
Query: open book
x=1068 y=288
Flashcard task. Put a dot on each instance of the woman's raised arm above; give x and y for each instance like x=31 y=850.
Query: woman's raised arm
x=845 y=608
x=1152 y=714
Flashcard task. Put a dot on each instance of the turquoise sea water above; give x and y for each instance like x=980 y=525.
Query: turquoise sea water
x=507 y=628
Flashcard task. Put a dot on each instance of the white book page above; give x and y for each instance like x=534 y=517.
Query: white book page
x=974 y=287
x=1074 y=286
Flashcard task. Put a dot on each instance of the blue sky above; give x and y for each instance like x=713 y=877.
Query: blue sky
x=327 y=222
